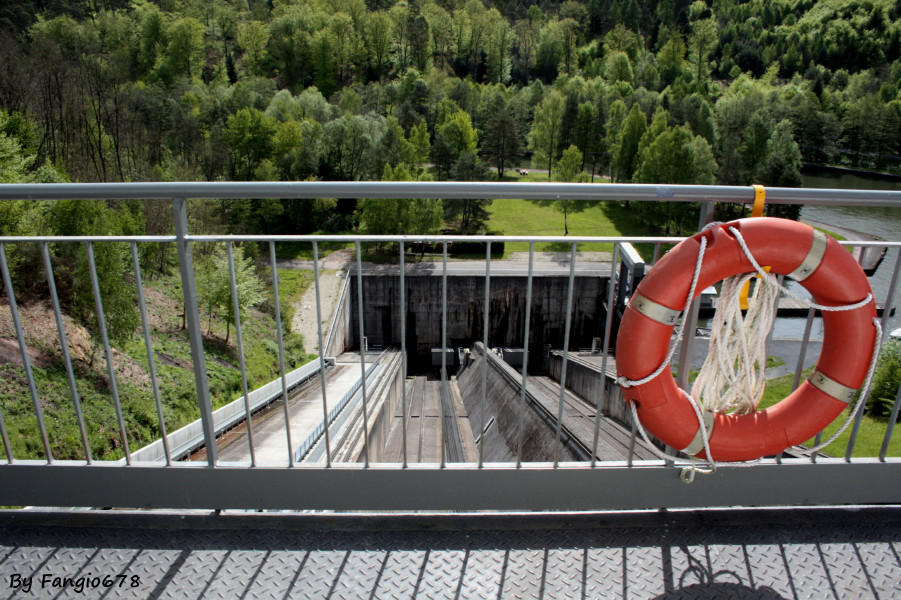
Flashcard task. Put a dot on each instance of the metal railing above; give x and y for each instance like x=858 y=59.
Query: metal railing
x=481 y=485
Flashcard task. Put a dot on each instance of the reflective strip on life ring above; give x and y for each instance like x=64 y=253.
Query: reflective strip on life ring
x=821 y=265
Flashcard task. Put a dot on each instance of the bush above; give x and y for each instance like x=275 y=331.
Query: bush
x=885 y=381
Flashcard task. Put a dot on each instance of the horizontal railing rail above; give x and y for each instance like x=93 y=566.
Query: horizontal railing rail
x=408 y=484
x=449 y=190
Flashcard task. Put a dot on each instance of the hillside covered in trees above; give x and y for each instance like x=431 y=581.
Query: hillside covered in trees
x=671 y=91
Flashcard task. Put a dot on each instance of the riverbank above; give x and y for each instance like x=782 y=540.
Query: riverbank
x=869 y=258
x=817 y=168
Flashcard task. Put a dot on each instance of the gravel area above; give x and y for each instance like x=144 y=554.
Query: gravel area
x=304 y=322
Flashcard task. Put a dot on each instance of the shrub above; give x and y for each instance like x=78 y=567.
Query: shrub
x=885 y=381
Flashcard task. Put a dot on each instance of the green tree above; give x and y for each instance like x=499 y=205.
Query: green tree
x=671 y=59
x=674 y=156
x=378 y=42
x=501 y=142
x=453 y=138
x=544 y=138
x=322 y=55
x=249 y=134
x=13 y=163
x=112 y=260
x=569 y=168
x=393 y=216
x=215 y=291
x=394 y=149
x=782 y=168
x=349 y=145
x=419 y=138
x=618 y=68
x=253 y=37
x=701 y=44
x=289 y=49
x=625 y=151
x=184 y=50
x=287 y=145
x=755 y=140
x=667 y=159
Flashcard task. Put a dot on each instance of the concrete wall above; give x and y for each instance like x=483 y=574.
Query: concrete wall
x=584 y=380
x=501 y=442
x=381 y=412
x=465 y=312
x=339 y=335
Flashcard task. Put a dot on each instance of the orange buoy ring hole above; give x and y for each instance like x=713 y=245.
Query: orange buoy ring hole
x=817 y=262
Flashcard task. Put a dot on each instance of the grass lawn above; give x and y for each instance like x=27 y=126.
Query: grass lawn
x=540 y=218
x=869 y=438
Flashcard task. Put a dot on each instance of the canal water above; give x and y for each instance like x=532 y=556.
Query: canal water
x=881 y=222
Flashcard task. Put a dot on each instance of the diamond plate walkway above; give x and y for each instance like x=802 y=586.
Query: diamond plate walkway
x=772 y=554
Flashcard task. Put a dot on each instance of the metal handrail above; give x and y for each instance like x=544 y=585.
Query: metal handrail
x=594 y=484
x=638 y=192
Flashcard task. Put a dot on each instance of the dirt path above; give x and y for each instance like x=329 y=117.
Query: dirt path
x=304 y=322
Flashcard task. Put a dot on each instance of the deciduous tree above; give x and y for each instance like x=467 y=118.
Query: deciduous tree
x=544 y=138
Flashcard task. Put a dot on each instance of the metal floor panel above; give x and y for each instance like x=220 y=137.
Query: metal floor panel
x=844 y=558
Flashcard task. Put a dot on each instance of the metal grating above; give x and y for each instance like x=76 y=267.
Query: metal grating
x=853 y=556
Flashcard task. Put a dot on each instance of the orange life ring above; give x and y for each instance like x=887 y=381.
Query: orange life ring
x=822 y=266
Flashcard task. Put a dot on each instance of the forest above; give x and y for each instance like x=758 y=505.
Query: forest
x=638 y=91
x=671 y=91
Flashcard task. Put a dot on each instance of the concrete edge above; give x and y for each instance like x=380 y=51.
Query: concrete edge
x=530 y=521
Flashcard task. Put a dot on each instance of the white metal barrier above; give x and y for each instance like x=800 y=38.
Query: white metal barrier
x=583 y=485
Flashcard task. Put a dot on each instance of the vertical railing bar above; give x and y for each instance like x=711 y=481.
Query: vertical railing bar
x=656 y=253
x=64 y=346
x=685 y=355
x=887 y=307
x=796 y=381
x=104 y=336
x=632 y=440
x=236 y=307
x=148 y=345
x=886 y=313
x=816 y=442
x=852 y=440
x=3 y=434
x=322 y=351
x=281 y=352
x=403 y=352
x=602 y=389
x=6 y=445
x=23 y=348
x=691 y=322
x=485 y=328
x=769 y=338
x=442 y=396
x=805 y=342
x=362 y=355
x=891 y=426
x=525 y=357
x=567 y=322
x=195 y=335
